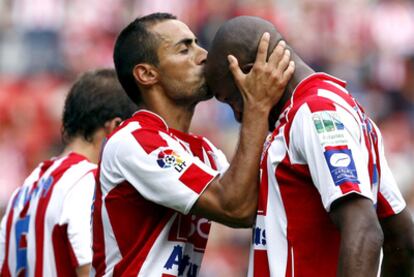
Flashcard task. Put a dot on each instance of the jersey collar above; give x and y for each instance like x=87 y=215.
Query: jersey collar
x=149 y=119
x=303 y=87
x=309 y=81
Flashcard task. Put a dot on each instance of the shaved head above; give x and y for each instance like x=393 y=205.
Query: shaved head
x=240 y=37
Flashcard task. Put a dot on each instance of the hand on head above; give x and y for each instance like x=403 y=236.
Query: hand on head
x=263 y=86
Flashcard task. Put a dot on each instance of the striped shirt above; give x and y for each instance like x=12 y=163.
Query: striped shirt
x=150 y=176
x=46 y=228
x=324 y=147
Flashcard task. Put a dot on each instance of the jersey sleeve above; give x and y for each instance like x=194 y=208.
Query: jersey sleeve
x=76 y=213
x=160 y=169
x=328 y=140
x=390 y=200
x=219 y=157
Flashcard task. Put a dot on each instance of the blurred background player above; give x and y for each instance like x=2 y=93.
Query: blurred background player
x=46 y=228
x=164 y=182
x=326 y=188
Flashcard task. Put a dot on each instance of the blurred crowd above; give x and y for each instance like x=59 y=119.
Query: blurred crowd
x=46 y=44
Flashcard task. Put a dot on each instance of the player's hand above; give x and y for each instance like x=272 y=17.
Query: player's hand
x=264 y=85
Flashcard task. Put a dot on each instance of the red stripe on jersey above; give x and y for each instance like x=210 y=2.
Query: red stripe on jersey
x=195 y=178
x=150 y=120
x=66 y=262
x=345 y=96
x=43 y=202
x=261 y=264
x=149 y=140
x=289 y=263
x=264 y=180
x=45 y=166
x=182 y=230
x=315 y=104
x=319 y=104
x=308 y=223
x=338 y=147
x=197 y=144
x=167 y=275
x=5 y=270
x=123 y=203
x=264 y=187
x=98 y=244
x=384 y=208
x=347 y=187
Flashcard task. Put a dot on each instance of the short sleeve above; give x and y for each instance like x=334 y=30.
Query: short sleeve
x=390 y=200
x=76 y=213
x=160 y=169
x=329 y=142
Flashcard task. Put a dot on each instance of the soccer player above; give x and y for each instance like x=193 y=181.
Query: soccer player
x=326 y=189
x=159 y=185
x=46 y=228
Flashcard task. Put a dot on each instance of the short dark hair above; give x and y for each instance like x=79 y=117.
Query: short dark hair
x=136 y=44
x=95 y=98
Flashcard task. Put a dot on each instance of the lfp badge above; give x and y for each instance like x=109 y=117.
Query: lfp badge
x=168 y=158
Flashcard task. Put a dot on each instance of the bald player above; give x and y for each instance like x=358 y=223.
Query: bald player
x=328 y=201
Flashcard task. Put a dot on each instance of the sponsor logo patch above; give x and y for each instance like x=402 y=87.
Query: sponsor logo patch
x=327 y=121
x=168 y=158
x=341 y=166
x=330 y=128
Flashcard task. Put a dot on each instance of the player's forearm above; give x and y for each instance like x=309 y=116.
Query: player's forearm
x=397 y=261
x=240 y=182
x=398 y=248
x=361 y=236
x=231 y=199
x=359 y=254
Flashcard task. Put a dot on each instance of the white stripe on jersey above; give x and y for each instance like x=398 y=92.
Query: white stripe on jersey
x=310 y=167
x=150 y=177
x=57 y=214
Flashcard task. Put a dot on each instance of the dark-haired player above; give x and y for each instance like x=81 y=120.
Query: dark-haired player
x=159 y=185
x=46 y=228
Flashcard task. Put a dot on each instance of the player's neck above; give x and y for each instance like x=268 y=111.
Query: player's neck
x=177 y=116
x=302 y=71
x=90 y=150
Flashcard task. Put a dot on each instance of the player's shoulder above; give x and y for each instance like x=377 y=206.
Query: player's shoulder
x=77 y=168
x=136 y=138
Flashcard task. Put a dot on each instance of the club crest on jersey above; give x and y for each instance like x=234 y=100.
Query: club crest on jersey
x=341 y=166
x=168 y=158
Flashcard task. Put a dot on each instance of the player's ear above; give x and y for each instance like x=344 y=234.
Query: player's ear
x=110 y=125
x=145 y=74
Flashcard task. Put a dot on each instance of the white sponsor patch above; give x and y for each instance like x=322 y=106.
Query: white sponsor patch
x=340 y=160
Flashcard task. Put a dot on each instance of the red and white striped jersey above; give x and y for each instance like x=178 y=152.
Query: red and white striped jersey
x=150 y=176
x=46 y=228
x=323 y=148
